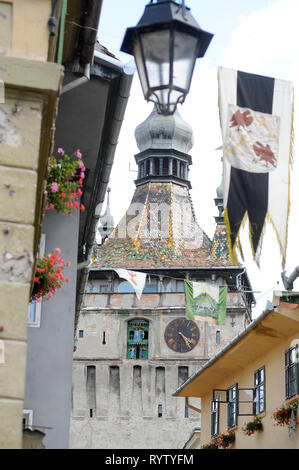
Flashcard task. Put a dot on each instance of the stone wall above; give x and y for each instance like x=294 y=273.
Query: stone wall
x=28 y=99
x=116 y=400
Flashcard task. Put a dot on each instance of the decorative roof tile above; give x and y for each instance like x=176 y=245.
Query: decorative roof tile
x=160 y=230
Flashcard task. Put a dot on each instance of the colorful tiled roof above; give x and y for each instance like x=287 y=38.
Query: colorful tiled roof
x=160 y=230
x=219 y=255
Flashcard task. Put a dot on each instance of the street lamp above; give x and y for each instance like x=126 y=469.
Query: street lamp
x=166 y=43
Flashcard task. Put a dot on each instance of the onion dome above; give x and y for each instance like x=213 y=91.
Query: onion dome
x=164 y=132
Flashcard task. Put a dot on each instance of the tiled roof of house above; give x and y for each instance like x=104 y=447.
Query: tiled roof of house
x=160 y=230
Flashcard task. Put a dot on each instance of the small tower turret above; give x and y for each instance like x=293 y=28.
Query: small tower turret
x=106 y=222
x=163 y=145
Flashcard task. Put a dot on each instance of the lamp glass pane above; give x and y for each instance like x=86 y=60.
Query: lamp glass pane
x=140 y=67
x=185 y=50
x=155 y=47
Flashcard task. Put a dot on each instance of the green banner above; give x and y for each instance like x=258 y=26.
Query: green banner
x=205 y=300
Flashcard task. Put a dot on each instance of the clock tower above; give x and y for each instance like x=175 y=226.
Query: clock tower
x=133 y=352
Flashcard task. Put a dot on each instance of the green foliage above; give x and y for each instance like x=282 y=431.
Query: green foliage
x=64 y=183
x=224 y=441
x=48 y=275
x=283 y=415
x=252 y=426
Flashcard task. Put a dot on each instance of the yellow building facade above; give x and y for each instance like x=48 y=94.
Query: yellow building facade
x=29 y=89
x=254 y=376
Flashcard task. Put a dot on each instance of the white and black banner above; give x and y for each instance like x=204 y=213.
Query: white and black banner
x=256 y=117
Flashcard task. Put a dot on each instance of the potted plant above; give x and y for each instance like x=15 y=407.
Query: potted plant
x=284 y=414
x=252 y=426
x=65 y=181
x=48 y=275
x=226 y=440
x=211 y=445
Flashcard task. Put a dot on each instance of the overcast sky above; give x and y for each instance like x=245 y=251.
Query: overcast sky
x=261 y=37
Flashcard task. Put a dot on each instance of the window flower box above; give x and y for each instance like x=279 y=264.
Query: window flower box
x=48 y=275
x=252 y=426
x=64 y=183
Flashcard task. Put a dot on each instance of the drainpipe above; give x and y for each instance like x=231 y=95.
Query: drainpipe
x=108 y=152
x=79 y=81
x=288 y=281
x=238 y=282
x=52 y=20
x=87 y=40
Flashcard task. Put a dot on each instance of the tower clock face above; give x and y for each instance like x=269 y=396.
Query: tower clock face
x=181 y=335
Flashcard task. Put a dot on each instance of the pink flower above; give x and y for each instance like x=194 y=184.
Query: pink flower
x=58 y=250
x=82 y=174
x=79 y=192
x=54 y=187
x=78 y=154
x=60 y=150
x=68 y=263
x=81 y=164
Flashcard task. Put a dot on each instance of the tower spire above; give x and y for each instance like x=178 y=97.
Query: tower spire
x=220 y=250
x=219 y=203
x=106 y=221
x=164 y=142
x=164 y=231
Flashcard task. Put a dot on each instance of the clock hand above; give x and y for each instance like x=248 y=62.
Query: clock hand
x=187 y=341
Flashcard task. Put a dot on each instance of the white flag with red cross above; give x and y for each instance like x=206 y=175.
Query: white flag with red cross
x=136 y=279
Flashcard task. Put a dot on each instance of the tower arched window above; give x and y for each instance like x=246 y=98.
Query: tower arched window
x=175 y=168
x=165 y=166
x=156 y=166
x=147 y=166
x=137 y=340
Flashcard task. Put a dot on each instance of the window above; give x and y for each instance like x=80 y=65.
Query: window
x=81 y=333
x=137 y=341
x=180 y=286
x=165 y=166
x=174 y=168
x=218 y=337
x=91 y=287
x=150 y=287
x=96 y=286
x=291 y=371
x=168 y=287
x=103 y=288
x=156 y=166
x=160 y=411
x=259 y=391
x=125 y=288
x=232 y=406
x=215 y=416
x=91 y=389
x=34 y=311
